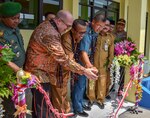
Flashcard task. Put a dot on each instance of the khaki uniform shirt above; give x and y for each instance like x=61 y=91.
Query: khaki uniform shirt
x=45 y=52
x=104 y=53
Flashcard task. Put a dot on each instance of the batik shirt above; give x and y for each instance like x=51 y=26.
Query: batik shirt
x=45 y=52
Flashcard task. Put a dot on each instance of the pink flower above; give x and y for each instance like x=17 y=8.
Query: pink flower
x=124 y=47
x=141 y=56
x=1 y=47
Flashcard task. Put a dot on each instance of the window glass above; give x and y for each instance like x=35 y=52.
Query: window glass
x=99 y=11
x=85 y=2
x=113 y=15
x=28 y=14
x=89 y=8
x=84 y=12
x=50 y=6
x=100 y=3
x=113 y=6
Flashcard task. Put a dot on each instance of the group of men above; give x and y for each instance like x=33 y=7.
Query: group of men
x=59 y=49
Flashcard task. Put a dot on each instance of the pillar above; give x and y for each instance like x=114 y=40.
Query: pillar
x=72 y=6
x=147 y=53
x=136 y=22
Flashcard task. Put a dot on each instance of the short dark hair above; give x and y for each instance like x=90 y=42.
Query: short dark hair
x=78 y=22
x=112 y=22
x=47 y=13
x=99 y=17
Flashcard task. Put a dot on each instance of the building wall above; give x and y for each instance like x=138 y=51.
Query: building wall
x=72 y=6
x=148 y=32
x=134 y=12
x=26 y=36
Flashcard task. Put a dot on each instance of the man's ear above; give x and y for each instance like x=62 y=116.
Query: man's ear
x=58 y=21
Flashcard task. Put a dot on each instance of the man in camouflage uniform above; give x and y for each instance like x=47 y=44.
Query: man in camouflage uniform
x=10 y=34
x=103 y=57
x=121 y=35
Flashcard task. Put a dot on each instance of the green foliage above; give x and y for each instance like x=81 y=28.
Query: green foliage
x=7 y=76
x=7 y=54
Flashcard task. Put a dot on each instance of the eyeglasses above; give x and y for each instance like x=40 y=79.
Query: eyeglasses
x=80 y=33
x=68 y=26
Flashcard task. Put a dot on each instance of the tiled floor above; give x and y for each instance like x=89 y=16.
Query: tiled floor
x=96 y=112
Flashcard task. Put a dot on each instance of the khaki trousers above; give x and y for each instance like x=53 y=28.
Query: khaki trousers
x=97 y=89
x=108 y=84
x=59 y=99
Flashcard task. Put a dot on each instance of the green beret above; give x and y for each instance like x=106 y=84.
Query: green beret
x=10 y=9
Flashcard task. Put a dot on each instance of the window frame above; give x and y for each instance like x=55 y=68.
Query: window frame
x=93 y=7
x=40 y=11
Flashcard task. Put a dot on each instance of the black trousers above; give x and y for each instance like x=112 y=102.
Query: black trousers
x=122 y=77
x=39 y=107
x=8 y=107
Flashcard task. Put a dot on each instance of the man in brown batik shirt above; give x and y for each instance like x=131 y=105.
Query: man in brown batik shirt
x=44 y=53
x=70 y=40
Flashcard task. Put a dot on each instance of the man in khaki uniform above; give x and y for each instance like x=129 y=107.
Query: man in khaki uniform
x=70 y=40
x=103 y=57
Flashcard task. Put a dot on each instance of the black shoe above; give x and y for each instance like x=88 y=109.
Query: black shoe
x=108 y=97
x=86 y=107
x=83 y=114
x=90 y=104
x=101 y=105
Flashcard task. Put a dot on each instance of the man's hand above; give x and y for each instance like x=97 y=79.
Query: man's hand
x=95 y=70
x=13 y=66
x=91 y=73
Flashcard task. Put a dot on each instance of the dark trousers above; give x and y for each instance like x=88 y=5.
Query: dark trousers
x=8 y=107
x=39 y=107
x=122 y=77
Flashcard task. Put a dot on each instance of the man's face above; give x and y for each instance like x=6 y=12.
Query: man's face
x=12 y=22
x=79 y=32
x=98 y=26
x=106 y=27
x=120 y=27
x=65 y=26
x=112 y=27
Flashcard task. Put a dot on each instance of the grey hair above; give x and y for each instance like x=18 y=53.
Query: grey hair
x=62 y=14
x=99 y=17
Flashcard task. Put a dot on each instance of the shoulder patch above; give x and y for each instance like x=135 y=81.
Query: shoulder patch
x=1 y=33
